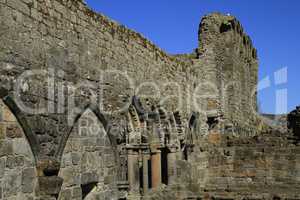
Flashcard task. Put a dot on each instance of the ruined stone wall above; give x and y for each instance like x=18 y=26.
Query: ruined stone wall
x=17 y=163
x=263 y=167
x=228 y=52
x=67 y=36
x=87 y=60
x=227 y=167
x=89 y=159
x=76 y=44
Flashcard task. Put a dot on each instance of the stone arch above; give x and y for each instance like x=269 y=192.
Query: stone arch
x=134 y=126
x=134 y=118
x=18 y=174
x=8 y=101
x=88 y=162
x=178 y=122
x=102 y=119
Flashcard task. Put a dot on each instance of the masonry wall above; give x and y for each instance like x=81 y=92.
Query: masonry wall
x=261 y=167
x=67 y=36
x=76 y=44
x=82 y=54
x=17 y=163
x=227 y=167
x=229 y=52
x=89 y=161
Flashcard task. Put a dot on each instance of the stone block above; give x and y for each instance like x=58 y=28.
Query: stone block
x=28 y=174
x=76 y=192
x=69 y=176
x=75 y=158
x=65 y=194
x=214 y=137
x=59 y=7
x=6 y=148
x=21 y=147
x=2 y=131
x=19 y=161
x=10 y=162
x=212 y=104
x=1 y=108
x=36 y=15
x=13 y=131
x=28 y=180
x=2 y=167
x=19 y=5
x=50 y=185
x=89 y=178
x=8 y=116
x=11 y=182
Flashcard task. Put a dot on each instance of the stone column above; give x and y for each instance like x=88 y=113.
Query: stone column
x=49 y=183
x=145 y=171
x=171 y=165
x=133 y=171
x=156 y=168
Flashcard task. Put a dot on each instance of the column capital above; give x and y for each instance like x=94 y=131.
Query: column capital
x=132 y=152
x=146 y=152
x=172 y=148
x=155 y=150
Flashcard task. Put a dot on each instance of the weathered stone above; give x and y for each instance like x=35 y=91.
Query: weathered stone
x=2 y=131
x=21 y=147
x=10 y=162
x=19 y=5
x=75 y=159
x=76 y=192
x=28 y=180
x=89 y=178
x=65 y=194
x=65 y=36
x=50 y=185
x=8 y=115
x=11 y=183
x=6 y=148
x=2 y=167
x=14 y=131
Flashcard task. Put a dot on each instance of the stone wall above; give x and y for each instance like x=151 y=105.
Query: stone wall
x=230 y=55
x=89 y=162
x=227 y=167
x=78 y=60
x=67 y=36
x=260 y=167
x=17 y=163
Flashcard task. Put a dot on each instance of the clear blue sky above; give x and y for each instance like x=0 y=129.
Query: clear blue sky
x=274 y=26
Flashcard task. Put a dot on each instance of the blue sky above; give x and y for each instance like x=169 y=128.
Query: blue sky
x=273 y=25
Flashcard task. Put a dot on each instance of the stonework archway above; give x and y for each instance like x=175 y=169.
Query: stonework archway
x=17 y=162
x=88 y=162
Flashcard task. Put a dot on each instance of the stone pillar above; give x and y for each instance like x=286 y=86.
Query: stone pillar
x=156 y=168
x=133 y=171
x=145 y=171
x=49 y=184
x=172 y=165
